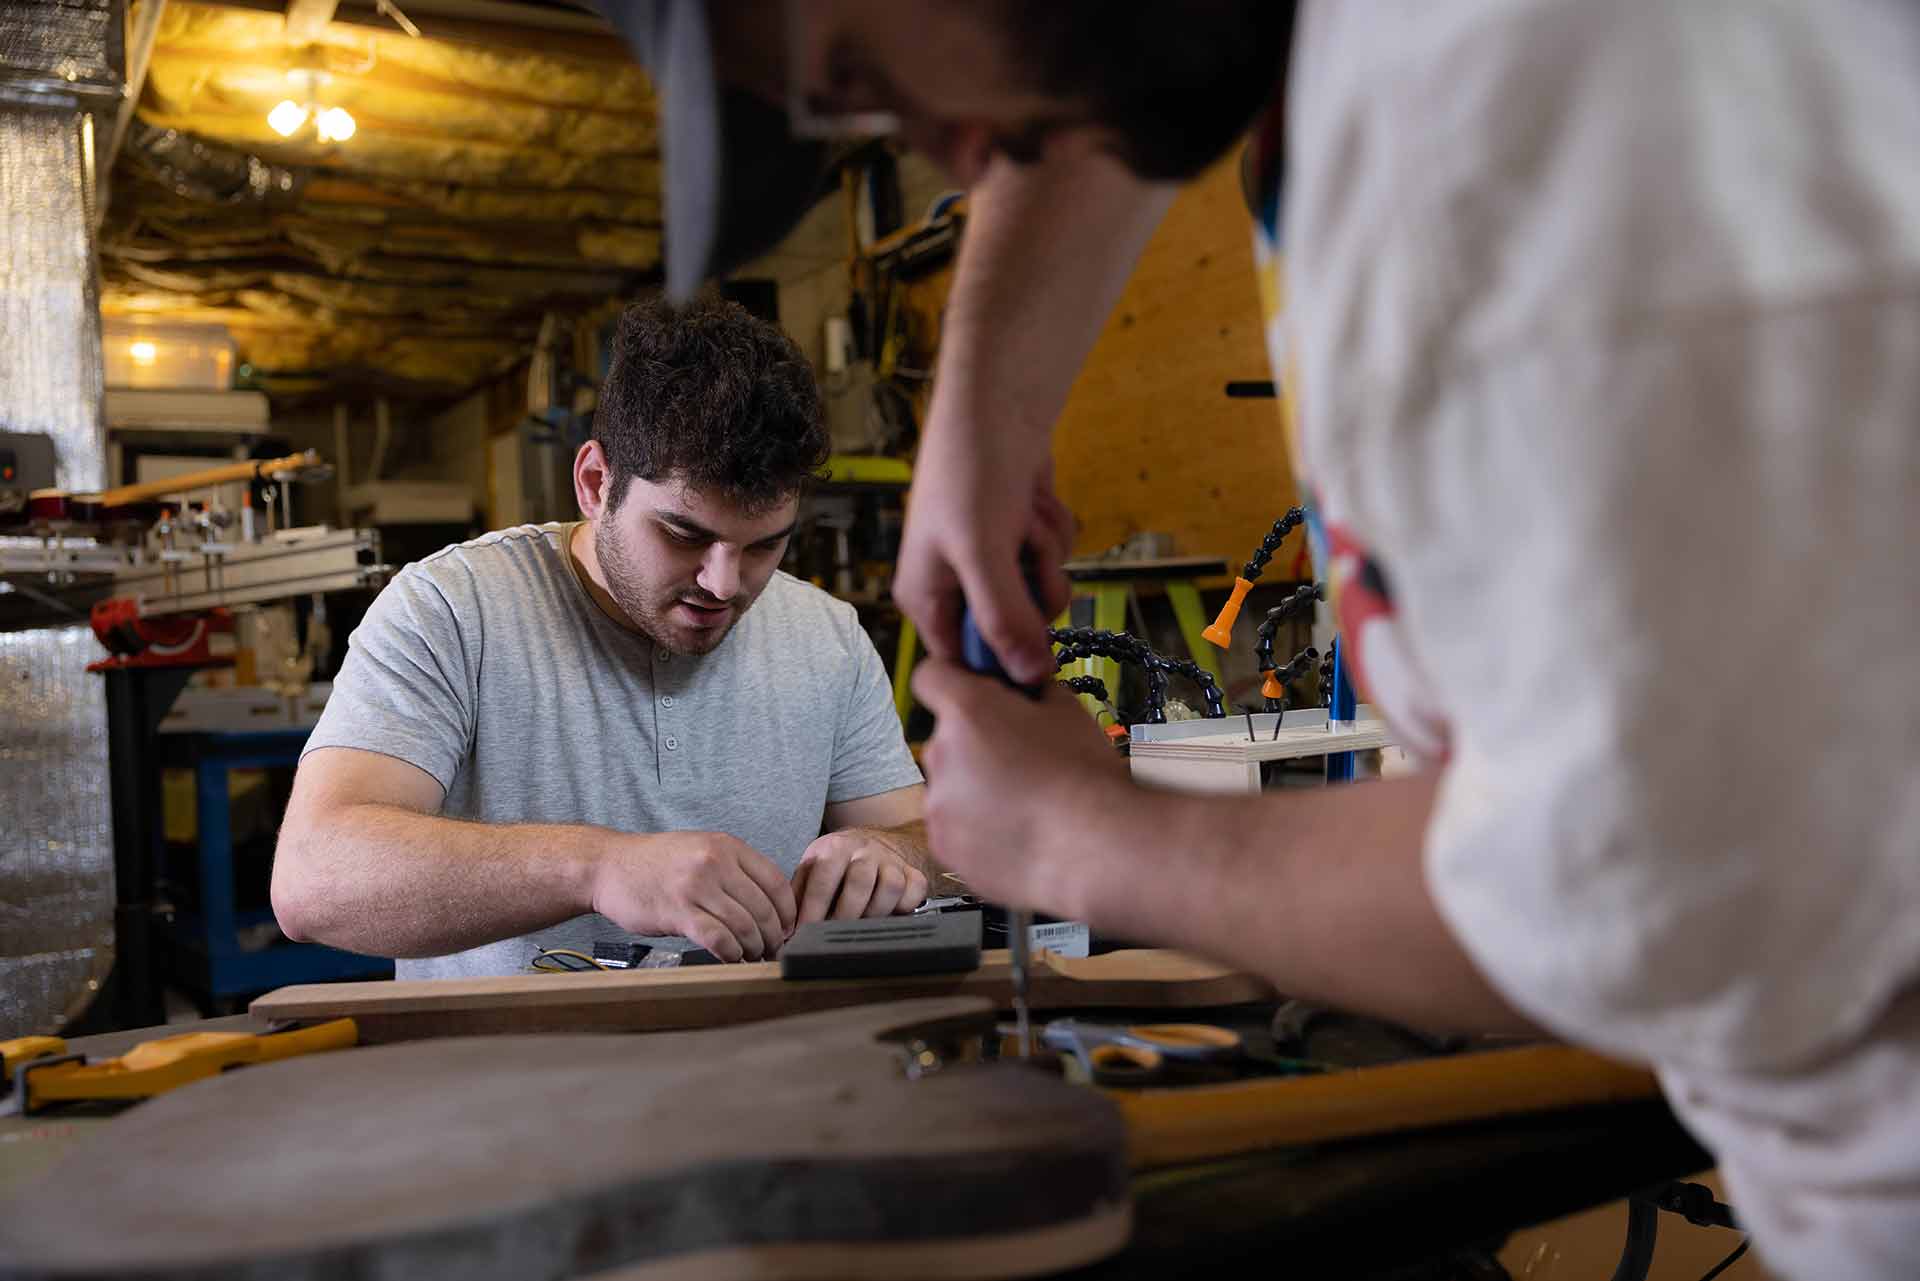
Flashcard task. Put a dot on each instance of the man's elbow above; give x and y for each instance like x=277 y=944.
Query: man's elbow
x=297 y=893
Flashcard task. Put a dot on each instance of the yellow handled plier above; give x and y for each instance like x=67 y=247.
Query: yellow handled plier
x=38 y=1072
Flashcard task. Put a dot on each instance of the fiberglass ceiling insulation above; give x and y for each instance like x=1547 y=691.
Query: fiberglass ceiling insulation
x=494 y=173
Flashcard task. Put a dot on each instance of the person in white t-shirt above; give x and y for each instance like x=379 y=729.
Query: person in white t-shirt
x=1602 y=339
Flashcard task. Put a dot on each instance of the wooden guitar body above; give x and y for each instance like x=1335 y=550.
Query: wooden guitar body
x=791 y=1149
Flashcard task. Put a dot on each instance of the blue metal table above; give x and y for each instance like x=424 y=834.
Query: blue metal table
x=207 y=956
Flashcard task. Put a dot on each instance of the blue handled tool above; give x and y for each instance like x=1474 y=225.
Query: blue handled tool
x=976 y=653
x=979 y=656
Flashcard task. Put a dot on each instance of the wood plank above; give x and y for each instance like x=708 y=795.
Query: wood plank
x=721 y=995
x=1224 y=777
x=789 y=1149
x=1173 y=1127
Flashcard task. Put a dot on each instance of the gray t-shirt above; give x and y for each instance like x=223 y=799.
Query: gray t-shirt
x=490 y=667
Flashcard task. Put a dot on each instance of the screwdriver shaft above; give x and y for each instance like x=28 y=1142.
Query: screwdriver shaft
x=1019 y=946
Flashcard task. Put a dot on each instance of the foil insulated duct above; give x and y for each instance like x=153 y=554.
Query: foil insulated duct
x=62 y=46
x=209 y=173
x=56 y=839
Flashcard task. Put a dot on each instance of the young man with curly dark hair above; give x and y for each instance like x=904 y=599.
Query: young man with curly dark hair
x=631 y=728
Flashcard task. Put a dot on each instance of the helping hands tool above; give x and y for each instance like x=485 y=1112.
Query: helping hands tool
x=39 y=1072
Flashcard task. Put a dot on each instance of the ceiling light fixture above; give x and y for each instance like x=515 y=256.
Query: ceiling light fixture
x=143 y=352
x=290 y=115
x=334 y=125
x=287 y=117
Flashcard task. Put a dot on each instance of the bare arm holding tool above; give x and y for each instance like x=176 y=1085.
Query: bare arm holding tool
x=1322 y=892
x=1047 y=251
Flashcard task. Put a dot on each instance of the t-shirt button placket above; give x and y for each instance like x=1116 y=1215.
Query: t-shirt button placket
x=669 y=742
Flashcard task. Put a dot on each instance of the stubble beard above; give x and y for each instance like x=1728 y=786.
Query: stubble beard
x=651 y=615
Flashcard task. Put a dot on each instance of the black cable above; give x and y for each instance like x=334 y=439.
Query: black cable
x=1693 y=1202
x=1271 y=543
x=1643 y=1231
x=1739 y=1252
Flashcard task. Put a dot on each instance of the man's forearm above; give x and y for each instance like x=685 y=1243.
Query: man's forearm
x=388 y=881
x=1048 y=250
x=1322 y=891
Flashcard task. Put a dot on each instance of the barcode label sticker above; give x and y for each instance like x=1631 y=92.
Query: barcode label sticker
x=1063 y=938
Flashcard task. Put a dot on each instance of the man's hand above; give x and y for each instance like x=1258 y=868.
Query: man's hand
x=1322 y=891
x=718 y=891
x=859 y=871
x=1017 y=789
x=965 y=536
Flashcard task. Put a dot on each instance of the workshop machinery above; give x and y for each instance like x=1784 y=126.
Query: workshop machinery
x=137 y=561
x=154 y=569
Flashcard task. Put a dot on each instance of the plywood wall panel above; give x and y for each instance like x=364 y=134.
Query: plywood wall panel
x=1149 y=439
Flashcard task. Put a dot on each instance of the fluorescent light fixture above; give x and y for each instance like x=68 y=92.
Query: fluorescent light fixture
x=287 y=117
x=334 y=124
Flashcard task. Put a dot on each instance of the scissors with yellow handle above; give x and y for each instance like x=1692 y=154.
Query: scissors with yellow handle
x=1114 y=1054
